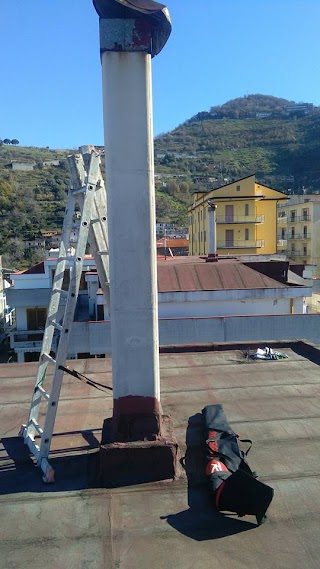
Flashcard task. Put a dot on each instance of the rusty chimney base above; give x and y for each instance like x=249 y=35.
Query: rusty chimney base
x=137 y=447
x=211 y=258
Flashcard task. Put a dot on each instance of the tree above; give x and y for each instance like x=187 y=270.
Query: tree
x=15 y=141
x=7 y=141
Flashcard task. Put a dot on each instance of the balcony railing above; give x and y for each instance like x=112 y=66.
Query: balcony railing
x=230 y=219
x=283 y=219
x=298 y=254
x=294 y=219
x=26 y=339
x=281 y=243
x=237 y=244
x=299 y=236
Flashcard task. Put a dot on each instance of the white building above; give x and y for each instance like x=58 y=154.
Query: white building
x=188 y=289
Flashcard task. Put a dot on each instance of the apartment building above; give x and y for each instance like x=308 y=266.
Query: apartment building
x=246 y=219
x=298 y=231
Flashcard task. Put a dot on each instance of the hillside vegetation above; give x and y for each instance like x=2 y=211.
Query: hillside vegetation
x=253 y=134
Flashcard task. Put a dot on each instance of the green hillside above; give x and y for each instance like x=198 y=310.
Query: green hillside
x=252 y=134
x=276 y=139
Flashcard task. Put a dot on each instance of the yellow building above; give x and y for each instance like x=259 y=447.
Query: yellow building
x=246 y=219
x=299 y=229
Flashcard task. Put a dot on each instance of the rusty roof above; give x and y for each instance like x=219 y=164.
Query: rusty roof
x=35 y=270
x=191 y=274
x=172 y=242
x=167 y=525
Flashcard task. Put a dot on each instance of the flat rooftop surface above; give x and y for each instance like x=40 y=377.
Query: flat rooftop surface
x=72 y=524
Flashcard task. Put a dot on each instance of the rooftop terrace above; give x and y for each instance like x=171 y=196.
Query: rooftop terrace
x=166 y=525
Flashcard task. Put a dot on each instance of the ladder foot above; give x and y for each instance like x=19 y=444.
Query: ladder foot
x=48 y=477
x=21 y=432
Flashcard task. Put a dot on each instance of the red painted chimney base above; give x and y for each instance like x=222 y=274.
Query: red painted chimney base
x=124 y=463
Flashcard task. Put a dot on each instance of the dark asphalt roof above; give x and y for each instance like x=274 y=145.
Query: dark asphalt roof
x=166 y=525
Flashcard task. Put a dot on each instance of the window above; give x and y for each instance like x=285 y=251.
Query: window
x=201 y=236
x=36 y=318
x=292 y=233
x=205 y=236
x=201 y=215
x=100 y=312
x=305 y=250
x=305 y=214
x=246 y=234
x=293 y=215
x=283 y=233
x=246 y=209
x=238 y=188
x=305 y=231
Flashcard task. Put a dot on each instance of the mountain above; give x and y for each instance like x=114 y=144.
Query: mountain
x=277 y=139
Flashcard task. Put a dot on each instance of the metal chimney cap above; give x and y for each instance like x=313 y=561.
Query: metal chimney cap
x=157 y=14
x=212 y=204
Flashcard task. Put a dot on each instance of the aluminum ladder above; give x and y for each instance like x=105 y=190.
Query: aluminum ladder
x=87 y=194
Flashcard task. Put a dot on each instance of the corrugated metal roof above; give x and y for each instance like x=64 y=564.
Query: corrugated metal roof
x=183 y=276
x=169 y=242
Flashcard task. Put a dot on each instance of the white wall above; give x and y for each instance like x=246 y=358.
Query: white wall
x=225 y=308
x=96 y=336
x=23 y=282
x=21 y=318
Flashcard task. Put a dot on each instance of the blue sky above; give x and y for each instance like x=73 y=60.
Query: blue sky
x=51 y=77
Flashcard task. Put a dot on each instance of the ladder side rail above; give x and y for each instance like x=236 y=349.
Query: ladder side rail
x=98 y=233
x=75 y=277
x=52 y=310
x=99 y=242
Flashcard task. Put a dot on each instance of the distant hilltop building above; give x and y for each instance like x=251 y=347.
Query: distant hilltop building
x=299 y=108
x=22 y=165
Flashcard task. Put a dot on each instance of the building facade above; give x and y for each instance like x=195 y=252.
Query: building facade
x=298 y=233
x=191 y=293
x=246 y=219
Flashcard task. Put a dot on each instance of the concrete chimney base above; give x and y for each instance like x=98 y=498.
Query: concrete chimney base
x=125 y=463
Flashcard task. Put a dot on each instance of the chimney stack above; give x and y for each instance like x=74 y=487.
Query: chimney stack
x=212 y=233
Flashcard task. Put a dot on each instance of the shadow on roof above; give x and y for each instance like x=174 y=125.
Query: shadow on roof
x=75 y=467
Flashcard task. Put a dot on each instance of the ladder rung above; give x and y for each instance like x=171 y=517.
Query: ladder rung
x=60 y=291
x=103 y=253
x=70 y=258
x=43 y=393
x=37 y=427
x=33 y=447
x=79 y=190
x=48 y=358
x=55 y=324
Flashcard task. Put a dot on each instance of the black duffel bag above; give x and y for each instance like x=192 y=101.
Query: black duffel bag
x=234 y=485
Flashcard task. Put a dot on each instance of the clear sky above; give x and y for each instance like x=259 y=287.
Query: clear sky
x=50 y=91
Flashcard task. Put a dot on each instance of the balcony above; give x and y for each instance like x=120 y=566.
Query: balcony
x=281 y=243
x=294 y=219
x=237 y=244
x=282 y=219
x=30 y=340
x=300 y=236
x=234 y=219
x=298 y=254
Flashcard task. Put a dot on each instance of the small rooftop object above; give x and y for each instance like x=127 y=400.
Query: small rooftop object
x=151 y=21
x=268 y=354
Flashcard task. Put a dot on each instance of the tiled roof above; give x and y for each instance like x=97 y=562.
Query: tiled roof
x=35 y=270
